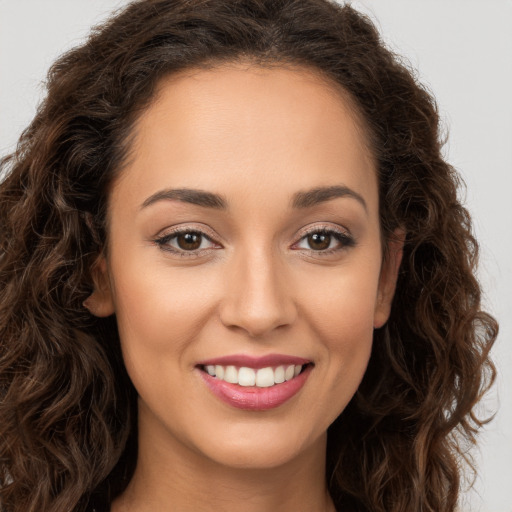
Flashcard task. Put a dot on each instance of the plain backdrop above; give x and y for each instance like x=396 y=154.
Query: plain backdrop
x=462 y=50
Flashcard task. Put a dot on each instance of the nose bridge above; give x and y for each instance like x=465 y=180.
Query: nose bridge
x=257 y=298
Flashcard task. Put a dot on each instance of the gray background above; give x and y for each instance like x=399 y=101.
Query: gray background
x=462 y=50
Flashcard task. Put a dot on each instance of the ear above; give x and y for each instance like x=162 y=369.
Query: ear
x=100 y=303
x=388 y=277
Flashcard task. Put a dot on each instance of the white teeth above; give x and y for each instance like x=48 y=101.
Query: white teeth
x=279 y=375
x=265 y=377
x=231 y=375
x=261 y=378
x=219 y=372
x=246 y=376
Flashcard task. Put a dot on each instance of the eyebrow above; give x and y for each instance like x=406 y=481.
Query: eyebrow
x=188 y=195
x=315 y=196
x=300 y=200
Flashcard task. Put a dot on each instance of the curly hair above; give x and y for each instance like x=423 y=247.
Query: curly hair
x=67 y=408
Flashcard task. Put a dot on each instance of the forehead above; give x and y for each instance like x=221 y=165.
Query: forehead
x=209 y=128
x=253 y=94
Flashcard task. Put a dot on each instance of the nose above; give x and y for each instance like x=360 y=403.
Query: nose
x=257 y=298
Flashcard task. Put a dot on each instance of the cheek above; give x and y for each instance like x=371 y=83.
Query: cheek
x=341 y=304
x=347 y=335
x=159 y=314
x=342 y=318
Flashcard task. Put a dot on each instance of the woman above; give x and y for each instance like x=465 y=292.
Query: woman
x=236 y=274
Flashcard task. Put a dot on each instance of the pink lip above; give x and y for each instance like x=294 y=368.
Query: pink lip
x=272 y=360
x=254 y=398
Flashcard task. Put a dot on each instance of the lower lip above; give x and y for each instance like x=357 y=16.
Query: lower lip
x=253 y=398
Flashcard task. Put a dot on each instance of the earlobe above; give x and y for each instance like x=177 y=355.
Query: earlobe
x=388 y=277
x=100 y=303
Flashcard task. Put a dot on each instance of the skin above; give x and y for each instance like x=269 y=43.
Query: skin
x=256 y=137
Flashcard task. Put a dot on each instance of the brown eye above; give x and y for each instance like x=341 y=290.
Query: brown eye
x=186 y=243
x=189 y=241
x=319 y=241
x=325 y=241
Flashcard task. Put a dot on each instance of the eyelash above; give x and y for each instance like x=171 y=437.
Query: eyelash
x=344 y=239
x=163 y=242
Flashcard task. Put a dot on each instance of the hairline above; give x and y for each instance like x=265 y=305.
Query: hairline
x=247 y=62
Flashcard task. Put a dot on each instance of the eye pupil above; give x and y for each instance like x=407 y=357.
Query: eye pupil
x=319 y=241
x=189 y=241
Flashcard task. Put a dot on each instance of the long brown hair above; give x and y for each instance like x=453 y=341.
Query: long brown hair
x=67 y=408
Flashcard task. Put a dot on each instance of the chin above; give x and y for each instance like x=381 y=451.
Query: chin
x=256 y=450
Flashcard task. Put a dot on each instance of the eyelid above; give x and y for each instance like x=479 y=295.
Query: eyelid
x=187 y=228
x=343 y=235
x=323 y=226
x=168 y=234
x=345 y=238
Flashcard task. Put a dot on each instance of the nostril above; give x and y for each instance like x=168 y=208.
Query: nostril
x=257 y=299
x=256 y=323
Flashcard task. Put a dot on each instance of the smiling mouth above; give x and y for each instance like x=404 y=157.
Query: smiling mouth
x=251 y=377
x=255 y=383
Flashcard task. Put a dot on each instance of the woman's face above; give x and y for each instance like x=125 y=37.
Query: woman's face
x=244 y=247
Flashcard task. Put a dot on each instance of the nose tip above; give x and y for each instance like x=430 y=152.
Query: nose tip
x=257 y=300
x=256 y=321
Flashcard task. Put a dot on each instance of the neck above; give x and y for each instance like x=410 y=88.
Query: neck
x=171 y=477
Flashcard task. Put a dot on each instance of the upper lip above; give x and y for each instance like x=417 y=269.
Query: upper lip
x=244 y=360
